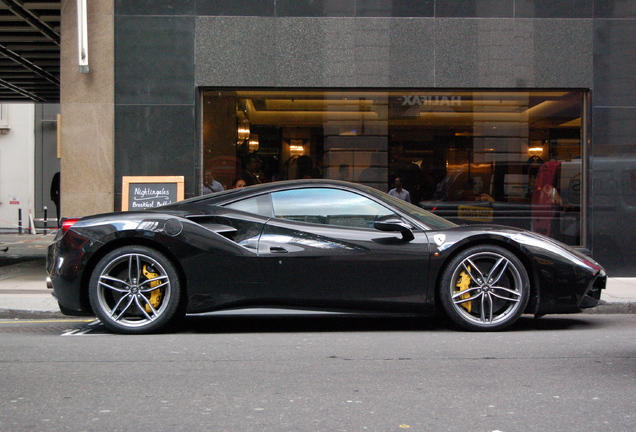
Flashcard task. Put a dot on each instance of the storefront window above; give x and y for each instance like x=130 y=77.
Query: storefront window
x=512 y=158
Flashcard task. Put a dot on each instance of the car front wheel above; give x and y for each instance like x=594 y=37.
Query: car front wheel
x=135 y=290
x=484 y=288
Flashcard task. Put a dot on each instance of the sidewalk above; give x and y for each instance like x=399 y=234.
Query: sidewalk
x=23 y=291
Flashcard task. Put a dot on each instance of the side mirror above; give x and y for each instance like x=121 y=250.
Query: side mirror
x=394 y=224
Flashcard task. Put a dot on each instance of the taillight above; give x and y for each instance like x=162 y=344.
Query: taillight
x=68 y=223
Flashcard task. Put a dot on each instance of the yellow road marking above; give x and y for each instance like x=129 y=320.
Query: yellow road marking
x=17 y=320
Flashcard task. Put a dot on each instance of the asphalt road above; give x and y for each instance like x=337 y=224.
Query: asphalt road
x=320 y=373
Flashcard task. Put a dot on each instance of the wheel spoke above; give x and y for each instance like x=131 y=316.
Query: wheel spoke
x=152 y=288
x=131 y=274
x=113 y=311
x=114 y=279
x=493 y=280
x=516 y=294
x=114 y=288
x=143 y=309
x=486 y=300
x=469 y=269
x=467 y=299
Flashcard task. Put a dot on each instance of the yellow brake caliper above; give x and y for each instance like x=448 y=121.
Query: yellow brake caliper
x=463 y=284
x=155 y=295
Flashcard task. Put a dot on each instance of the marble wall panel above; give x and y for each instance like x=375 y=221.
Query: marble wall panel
x=155 y=7
x=313 y=52
x=154 y=60
x=554 y=8
x=236 y=7
x=615 y=62
x=487 y=53
x=474 y=8
x=156 y=140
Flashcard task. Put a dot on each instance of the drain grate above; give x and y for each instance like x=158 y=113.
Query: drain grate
x=42 y=327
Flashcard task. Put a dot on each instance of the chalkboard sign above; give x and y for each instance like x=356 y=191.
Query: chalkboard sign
x=140 y=193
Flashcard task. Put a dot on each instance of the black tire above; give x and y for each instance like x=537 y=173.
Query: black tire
x=135 y=290
x=484 y=288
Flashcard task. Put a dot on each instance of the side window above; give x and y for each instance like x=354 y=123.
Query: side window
x=328 y=207
x=260 y=205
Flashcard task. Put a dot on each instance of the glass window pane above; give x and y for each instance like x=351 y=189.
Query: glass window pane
x=260 y=205
x=327 y=206
x=469 y=156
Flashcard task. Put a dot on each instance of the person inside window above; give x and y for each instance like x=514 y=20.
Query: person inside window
x=238 y=183
x=252 y=173
x=210 y=185
x=400 y=192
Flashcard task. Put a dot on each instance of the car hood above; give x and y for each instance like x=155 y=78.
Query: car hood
x=523 y=238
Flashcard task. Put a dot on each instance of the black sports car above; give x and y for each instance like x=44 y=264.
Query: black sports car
x=310 y=244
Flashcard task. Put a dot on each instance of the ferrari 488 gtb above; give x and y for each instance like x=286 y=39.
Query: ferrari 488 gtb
x=310 y=244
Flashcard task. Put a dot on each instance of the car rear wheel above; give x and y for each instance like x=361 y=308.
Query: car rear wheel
x=135 y=290
x=484 y=288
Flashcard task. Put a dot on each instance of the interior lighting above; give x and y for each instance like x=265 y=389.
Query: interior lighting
x=243 y=131
x=535 y=151
x=253 y=143
x=296 y=147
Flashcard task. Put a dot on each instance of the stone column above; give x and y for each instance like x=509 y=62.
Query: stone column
x=87 y=112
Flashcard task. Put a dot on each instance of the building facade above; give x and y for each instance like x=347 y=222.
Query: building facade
x=28 y=164
x=17 y=144
x=520 y=112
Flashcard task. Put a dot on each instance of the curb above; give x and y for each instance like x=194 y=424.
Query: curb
x=30 y=314
x=625 y=308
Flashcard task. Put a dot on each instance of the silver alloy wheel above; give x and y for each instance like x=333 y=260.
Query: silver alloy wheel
x=133 y=290
x=487 y=289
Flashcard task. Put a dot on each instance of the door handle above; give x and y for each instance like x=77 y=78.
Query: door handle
x=277 y=249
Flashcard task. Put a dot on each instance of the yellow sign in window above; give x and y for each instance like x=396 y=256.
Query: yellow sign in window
x=474 y=213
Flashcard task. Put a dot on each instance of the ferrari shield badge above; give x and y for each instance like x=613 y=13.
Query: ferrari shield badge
x=439 y=239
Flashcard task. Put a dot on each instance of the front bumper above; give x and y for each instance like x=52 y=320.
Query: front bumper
x=592 y=296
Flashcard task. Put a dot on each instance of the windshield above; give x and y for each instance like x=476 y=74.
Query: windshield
x=426 y=217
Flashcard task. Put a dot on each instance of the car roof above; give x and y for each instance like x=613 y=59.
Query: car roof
x=274 y=186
